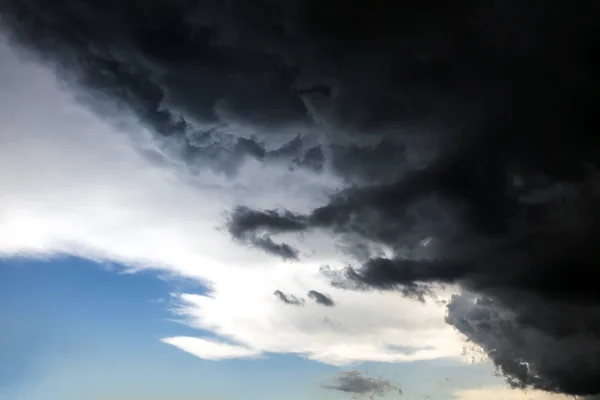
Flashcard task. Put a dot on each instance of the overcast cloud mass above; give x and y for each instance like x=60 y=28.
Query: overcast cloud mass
x=432 y=167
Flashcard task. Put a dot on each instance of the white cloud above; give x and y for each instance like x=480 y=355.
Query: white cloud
x=366 y=326
x=504 y=393
x=74 y=184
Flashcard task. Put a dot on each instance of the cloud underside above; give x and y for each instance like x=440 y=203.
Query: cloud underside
x=419 y=148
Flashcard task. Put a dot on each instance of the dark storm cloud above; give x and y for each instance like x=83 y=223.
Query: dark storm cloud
x=374 y=163
x=548 y=344
x=321 y=298
x=198 y=74
x=288 y=298
x=466 y=134
x=355 y=383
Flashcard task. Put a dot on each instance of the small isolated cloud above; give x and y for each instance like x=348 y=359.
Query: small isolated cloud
x=356 y=384
x=288 y=298
x=321 y=298
x=504 y=393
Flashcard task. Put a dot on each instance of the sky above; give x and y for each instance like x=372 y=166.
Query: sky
x=201 y=201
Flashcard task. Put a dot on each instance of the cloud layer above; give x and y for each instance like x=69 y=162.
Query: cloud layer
x=102 y=188
x=423 y=144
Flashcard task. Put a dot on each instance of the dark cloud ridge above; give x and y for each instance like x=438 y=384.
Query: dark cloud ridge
x=471 y=127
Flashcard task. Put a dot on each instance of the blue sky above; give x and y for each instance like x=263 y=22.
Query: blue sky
x=78 y=329
x=72 y=329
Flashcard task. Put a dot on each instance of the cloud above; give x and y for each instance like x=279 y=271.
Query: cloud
x=493 y=393
x=245 y=224
x=355 y=383
x=245 y=220
x=283 y=250
x=438 y=146
x=366 y=326
x=102 y=187
x=288 y=298
x=321 y=298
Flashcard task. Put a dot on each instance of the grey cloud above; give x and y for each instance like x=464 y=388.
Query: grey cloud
x=355 y=383
x=288 y=298
x=321 y=298
x=313 y=159
x=467 y=126
x=369 y=163
x=244 y=221
x=282 y=250
x=255 y=227
x=518 y=329
x=194 y=89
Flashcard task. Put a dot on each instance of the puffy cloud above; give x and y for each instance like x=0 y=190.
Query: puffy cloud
x=433 y=143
